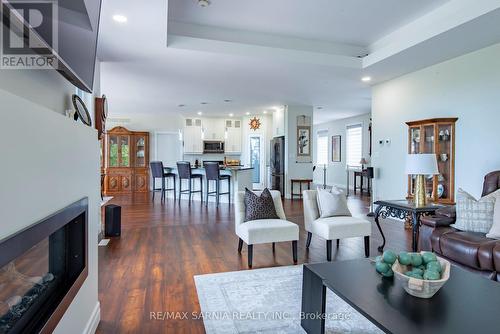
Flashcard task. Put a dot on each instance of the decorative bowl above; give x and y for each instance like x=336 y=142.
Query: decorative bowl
x=421 y=288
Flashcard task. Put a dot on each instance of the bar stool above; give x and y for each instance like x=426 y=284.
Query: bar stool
x=212 y=173
x=184 y=172
x=157 y=172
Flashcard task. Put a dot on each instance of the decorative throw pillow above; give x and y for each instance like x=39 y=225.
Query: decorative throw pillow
x=494 y=232
x=475 y=215
x=259 y=207
x=332 y=203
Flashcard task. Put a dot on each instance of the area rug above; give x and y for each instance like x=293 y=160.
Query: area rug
x=267 y=301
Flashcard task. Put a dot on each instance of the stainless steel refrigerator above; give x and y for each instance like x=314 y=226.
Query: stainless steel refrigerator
x=278 y=164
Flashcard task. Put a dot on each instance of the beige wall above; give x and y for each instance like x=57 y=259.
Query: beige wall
x=467 y=87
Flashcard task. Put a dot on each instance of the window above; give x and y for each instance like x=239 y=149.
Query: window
x=354 y=145
x=322 y=148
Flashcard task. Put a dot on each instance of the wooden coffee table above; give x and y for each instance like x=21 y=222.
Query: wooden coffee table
x=467 y=303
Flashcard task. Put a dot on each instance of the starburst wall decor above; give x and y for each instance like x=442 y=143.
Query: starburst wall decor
x=255 y=124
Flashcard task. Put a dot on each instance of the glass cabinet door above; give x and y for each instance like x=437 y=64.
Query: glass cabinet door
x=124 y=151
x=444 y=158
x=415 y=140
x=113 y=151
x=140 y=151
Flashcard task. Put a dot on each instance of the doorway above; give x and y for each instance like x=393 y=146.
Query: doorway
x=168 y=148
x=257 y=161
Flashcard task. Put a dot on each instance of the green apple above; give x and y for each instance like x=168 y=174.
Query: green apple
x=382 y=267
x=434 y=266
x=432 y=275
x=416 y=259
x=428 y=257
x=404 y=258
x=389 y=257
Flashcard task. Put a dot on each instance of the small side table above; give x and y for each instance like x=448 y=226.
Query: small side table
x=403 y=209
x=300 y=182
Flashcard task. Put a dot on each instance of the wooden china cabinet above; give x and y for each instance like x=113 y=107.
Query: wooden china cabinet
x=437 y=136
x=126 y=161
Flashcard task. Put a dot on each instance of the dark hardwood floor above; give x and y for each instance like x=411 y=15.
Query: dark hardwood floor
x=150 y=268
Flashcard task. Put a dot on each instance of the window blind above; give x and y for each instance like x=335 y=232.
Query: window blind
x=322 y=148
x=354 y=145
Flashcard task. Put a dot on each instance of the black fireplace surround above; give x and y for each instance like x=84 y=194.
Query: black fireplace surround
x=42 y=268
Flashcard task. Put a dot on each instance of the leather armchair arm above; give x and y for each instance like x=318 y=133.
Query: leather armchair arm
x=437 y=221
x=447 y=211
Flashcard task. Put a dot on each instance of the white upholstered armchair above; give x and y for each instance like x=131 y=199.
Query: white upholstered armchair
x=332 y=228
x=264 y=230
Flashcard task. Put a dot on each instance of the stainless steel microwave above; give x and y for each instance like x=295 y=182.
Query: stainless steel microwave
x=213 y=146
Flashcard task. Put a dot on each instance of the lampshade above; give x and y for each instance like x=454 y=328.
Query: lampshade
x=421 y=164
x=363 y=161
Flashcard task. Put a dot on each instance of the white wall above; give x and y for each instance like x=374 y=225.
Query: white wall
x=50 y=162
x=293 y=169
x=143 y=122
x=467 y=87
x=336 y=171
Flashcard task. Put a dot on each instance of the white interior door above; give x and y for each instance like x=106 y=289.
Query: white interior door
x=168 y=148
x=257 y=154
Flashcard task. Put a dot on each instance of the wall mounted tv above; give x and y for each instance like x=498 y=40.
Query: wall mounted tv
x=63 y=30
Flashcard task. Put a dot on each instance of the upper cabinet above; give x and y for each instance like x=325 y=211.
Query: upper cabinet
x=233 y=136
x=278 y=123
x=197 y=130
x=213 y=129
x=193 y=141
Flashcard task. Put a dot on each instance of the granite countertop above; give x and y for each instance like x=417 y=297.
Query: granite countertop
x=233 y=168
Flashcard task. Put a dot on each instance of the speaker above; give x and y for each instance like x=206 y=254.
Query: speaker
x=370 y=172
x=112 y=220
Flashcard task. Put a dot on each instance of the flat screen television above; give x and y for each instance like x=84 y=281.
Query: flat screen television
x=66 y=30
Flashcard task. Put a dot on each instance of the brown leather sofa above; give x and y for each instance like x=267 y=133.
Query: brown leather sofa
x=470 y=250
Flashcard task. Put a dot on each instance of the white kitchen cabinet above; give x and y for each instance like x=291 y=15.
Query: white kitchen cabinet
x=193 y=142
x=213 y=129
x=278 y=123
x=233 y=142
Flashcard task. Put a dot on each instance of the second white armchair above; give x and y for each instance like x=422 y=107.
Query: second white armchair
x=332 y=228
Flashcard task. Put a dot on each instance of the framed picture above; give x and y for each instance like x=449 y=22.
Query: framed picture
x=336 y=148
x=303 y=141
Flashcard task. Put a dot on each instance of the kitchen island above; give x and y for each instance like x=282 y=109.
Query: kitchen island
x=241 y=178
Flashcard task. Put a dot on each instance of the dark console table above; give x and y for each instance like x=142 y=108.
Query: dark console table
x=403 y=209
x=467 y=303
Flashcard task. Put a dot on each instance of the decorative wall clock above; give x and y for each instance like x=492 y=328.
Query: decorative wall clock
x=81 y=110
x=255 y=124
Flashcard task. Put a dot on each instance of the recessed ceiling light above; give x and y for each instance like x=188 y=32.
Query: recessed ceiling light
x=319 y=108
x=228 y=100
x=265 y=111
x=247 y=113
x=200 y=113
x=231 y=115
x=181 y=105
x=366 y=79
x=120 y=18
x=204 y=3
x=204 y=103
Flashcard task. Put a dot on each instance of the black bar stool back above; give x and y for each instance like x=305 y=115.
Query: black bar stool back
x=158 y=172
x=184 y=172
x=212 y=173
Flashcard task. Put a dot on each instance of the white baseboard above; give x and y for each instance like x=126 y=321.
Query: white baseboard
x=93 y=322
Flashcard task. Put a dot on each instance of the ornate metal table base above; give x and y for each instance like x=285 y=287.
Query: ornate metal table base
x=403 y=210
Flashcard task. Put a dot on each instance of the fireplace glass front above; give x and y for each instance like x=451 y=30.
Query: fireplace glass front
x=34 y=283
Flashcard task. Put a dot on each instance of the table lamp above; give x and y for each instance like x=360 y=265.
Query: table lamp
x=421 y=165
x=363 y=162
